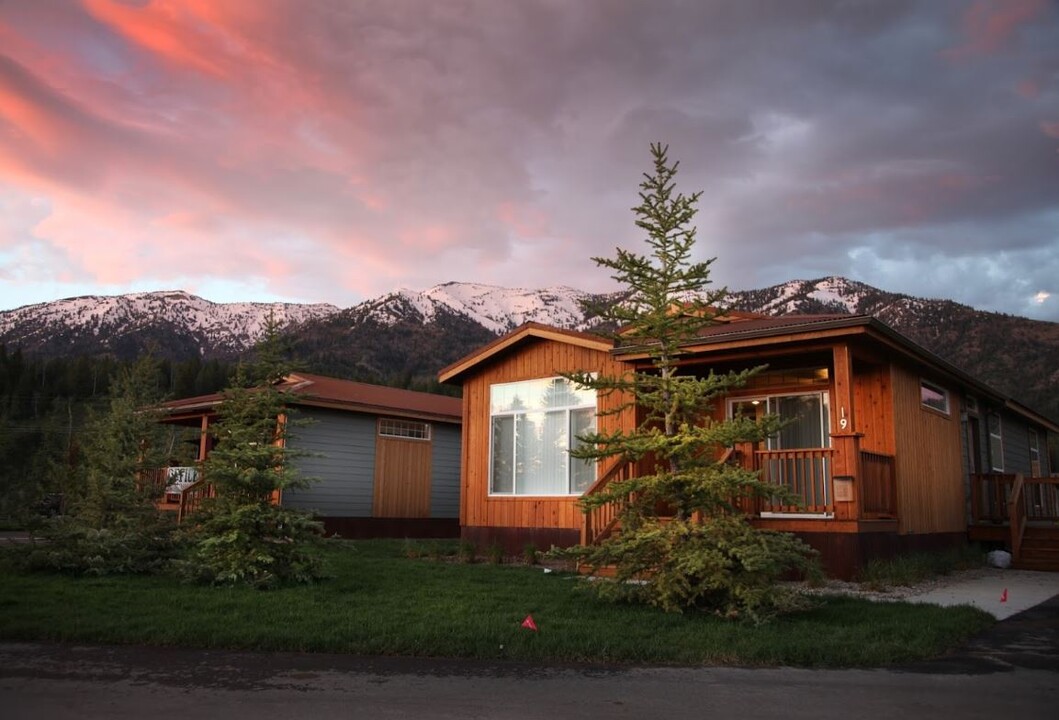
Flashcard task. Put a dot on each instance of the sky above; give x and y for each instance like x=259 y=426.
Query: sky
x=336 y=150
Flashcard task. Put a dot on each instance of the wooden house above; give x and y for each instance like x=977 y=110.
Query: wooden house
x=385 y=461
x=878 y=445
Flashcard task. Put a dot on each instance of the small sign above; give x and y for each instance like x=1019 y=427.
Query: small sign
x=843 y=488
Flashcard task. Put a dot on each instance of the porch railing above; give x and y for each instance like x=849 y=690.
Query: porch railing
x=167 y=482
x=878 y=494
x=806 y=472
x=991 y=495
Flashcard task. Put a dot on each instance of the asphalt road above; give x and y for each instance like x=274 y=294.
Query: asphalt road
x=1012 y=671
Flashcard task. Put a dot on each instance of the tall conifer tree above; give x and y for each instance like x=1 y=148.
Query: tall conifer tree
x=683 y=539
x=243 y=536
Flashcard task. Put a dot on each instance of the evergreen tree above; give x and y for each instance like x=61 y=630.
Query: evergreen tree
x=110 y=523
x=700 y=551
x=242 y=535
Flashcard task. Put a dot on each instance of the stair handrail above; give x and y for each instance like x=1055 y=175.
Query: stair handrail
x=599 y=521
x=192 y=496
x=1017 y=517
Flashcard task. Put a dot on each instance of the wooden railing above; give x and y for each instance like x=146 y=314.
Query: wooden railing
x=192 y=496
x=600 y=521
x=1042 y=499
x=152 y=482
x=878 y=495
x=1017 y=517
x=991 y=495
x=806 y=472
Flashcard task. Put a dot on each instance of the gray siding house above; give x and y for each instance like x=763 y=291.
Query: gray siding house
x=385 y=462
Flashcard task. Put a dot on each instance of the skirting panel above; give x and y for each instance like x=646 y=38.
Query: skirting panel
x=514 y=540
x=844 y=554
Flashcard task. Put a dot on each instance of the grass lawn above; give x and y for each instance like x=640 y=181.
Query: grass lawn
x=380 y=602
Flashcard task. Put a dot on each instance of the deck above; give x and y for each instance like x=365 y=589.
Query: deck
x=1020 y=512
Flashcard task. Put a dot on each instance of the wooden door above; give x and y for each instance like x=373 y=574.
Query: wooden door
x=402 y=478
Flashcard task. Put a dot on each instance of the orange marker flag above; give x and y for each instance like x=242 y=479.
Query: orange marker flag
x=1004 y=595
x=529 y=624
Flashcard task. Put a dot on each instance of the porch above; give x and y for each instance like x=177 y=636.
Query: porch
x=1020 y=512
x=179 y=489
x=865 y=495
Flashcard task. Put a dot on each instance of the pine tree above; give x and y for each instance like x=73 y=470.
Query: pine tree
x=700 y=551
x=242 y=536
x=111 y=524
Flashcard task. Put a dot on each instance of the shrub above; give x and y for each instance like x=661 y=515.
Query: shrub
x=261 y=545
x=73 y=547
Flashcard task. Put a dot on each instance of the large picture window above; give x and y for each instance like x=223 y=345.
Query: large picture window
x=533 y=425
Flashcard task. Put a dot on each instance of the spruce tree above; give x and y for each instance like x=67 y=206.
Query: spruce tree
x=242 y=536
x=111 y=524
x=683 y=540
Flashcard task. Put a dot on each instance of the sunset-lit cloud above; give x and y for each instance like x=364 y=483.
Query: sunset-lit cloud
x=332 y=151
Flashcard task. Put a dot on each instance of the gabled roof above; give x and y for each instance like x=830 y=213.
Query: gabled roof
x=527 y=332
x=750 y=330
x=322 y=391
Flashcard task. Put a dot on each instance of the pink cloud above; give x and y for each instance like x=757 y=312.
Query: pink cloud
x=1028 y=88
x=523 y=219
x=1051 y=129
x=989 y=25
x=176 y=32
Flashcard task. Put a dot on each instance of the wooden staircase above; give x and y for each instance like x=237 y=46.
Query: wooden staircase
x=1039 y=549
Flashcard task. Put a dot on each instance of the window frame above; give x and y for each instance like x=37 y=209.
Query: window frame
x=1033 y=438
x=568 y=413
x=406 y=424
x=994 y=466
x=930 y=385
x=773 y=441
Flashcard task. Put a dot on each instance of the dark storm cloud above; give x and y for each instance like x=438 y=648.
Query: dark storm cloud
x=903 y=143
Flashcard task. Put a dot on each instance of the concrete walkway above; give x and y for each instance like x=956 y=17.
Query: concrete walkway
x=1002 y=593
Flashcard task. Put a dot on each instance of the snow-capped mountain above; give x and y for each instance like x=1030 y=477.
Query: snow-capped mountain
x=406 y=336
x=495 y=308
x=94 y=324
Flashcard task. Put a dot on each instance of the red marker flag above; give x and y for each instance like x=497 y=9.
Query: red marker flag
x=529 y=624
x=1004 y=595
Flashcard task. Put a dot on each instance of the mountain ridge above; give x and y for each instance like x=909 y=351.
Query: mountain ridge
x=405 y=336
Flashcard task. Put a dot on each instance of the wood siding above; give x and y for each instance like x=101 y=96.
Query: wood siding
x=445 y=472
x=535 y=359
x=342 y=459
x=873 y=400
x=402 y=478
x=929 y=467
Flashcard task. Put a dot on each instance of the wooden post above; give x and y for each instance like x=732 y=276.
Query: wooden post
x=204 y=437
x=844 y=437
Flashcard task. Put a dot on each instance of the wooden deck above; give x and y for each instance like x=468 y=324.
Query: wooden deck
x=1021 y=512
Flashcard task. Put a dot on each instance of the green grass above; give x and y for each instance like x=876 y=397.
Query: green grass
x=381 y=602
x=905 y=570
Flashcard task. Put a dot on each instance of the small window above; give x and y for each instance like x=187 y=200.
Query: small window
x=934 y=396
x=996 y=443
x=409 y=429
x=1035 y=454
